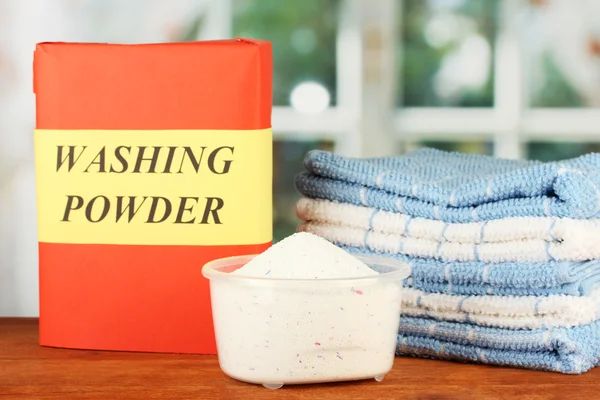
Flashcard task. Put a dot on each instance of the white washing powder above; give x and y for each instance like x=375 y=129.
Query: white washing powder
x=305 y=256
x=276 y=332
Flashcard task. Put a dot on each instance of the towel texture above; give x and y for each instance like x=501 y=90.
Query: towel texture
x=505 y=279
x=527 y=250
x=514 y=312
x=504 y=254
x=554 y=230
x=457 y=187
x=570 y=351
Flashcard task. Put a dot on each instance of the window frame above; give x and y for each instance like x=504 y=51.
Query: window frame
x=367 y=74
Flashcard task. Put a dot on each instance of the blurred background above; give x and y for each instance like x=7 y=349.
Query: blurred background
x=511 y=78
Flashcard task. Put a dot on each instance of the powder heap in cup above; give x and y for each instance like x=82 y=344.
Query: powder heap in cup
x=305 y=256
x=304 y=321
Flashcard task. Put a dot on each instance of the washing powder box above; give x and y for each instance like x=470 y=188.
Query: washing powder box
x=150 y=161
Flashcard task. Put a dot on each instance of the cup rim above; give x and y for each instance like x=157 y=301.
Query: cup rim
x=401 y=272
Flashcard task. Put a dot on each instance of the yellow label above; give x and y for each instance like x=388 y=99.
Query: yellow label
x=168 y=187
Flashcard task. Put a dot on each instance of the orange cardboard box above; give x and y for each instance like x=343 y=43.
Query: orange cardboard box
x=150 y=161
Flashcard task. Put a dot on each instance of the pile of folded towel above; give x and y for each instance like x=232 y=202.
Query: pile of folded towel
x=505 y=254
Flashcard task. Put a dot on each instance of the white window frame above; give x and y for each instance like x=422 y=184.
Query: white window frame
x=366 y=121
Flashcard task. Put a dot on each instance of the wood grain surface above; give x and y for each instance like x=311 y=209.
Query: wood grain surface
x=28 y=371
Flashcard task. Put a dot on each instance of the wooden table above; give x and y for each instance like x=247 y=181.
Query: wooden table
x=28 y=371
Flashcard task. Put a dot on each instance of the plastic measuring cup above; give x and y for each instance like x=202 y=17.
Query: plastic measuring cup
x=273 y=331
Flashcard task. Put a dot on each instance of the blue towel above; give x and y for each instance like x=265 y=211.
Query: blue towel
x=502 y=279
x=456 y=187
x=569 y=351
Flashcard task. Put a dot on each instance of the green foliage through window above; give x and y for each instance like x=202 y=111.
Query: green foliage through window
x=303 y=34
x=447 y=53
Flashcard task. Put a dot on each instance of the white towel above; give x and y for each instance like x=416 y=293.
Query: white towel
x=585 y=247
x=549 y=229
x=512 y=312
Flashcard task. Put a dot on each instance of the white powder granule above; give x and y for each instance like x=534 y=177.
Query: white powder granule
x=305 y=256
x=283 y=330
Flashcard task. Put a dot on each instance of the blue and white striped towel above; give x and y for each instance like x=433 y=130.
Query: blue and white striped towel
x=456 y=187
x=553 y=230
x=569 y=351
x=504 y=279
x=527 y=250
x=511 y=312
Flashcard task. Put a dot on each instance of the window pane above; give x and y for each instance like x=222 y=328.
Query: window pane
x=564 y=53
x=553 y=151
x=287 y=163
x=303 y=34
x=462 y=147
x=447 y=53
